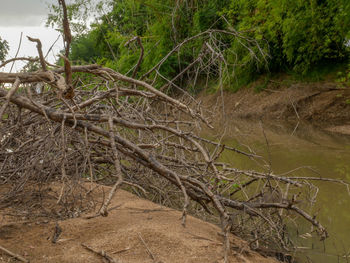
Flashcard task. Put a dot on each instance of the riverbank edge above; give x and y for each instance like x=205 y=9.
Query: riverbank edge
x=322 y=104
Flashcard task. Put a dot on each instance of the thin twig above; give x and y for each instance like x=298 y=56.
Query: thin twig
x=12 y=254
x=149 y=252
x=101 y=253
x=19 y=47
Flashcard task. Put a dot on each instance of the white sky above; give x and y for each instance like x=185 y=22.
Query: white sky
x=27 y=16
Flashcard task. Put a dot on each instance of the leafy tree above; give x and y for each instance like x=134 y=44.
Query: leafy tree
x=4 y=47
x=84 y=49
x=277 y=34
x=299 y=34
x=160 y=24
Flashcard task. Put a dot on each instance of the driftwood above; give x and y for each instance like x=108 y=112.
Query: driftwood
x=122 y=131
x=155 y=141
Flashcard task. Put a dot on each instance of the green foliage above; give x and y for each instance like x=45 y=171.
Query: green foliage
x=152 y=21
x=84 y=49
x=78 y=12
x=292 y=36
x=299 y=34
x=5 y=116
x=31 y=66
x=343 y=76
x=4 y=47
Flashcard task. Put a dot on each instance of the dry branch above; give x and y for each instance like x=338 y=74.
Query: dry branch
x=118 y=171
x=194 y=185
x=8 y=97
x=139 y=42
x=16 y=256
x=40 y=51
x=101 y=253
x=16 y=59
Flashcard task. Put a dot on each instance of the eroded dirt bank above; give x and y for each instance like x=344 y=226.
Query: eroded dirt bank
x=120 y=235
x=322 y=104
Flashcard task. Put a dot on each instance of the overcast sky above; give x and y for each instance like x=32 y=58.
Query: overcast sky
x=27 y=16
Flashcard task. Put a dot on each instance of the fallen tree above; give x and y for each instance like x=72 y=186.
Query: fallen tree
x=122 y=131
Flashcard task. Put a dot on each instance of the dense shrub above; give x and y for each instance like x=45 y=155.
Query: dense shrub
x=300 y=34
x=291 y=35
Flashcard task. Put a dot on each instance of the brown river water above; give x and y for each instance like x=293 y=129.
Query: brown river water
x=289 y=146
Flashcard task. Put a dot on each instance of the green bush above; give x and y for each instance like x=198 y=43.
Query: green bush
x=278 y=35
x=298 y=34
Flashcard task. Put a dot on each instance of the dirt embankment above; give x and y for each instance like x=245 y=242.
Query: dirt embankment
x=134 y=231
x=322 y=104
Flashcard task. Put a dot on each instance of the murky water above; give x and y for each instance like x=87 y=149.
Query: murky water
x=287 y=147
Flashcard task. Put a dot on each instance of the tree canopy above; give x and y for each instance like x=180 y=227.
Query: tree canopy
x=290 y=35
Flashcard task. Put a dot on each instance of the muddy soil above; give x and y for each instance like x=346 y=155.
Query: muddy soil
x=134 y=231
x=322 y=104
